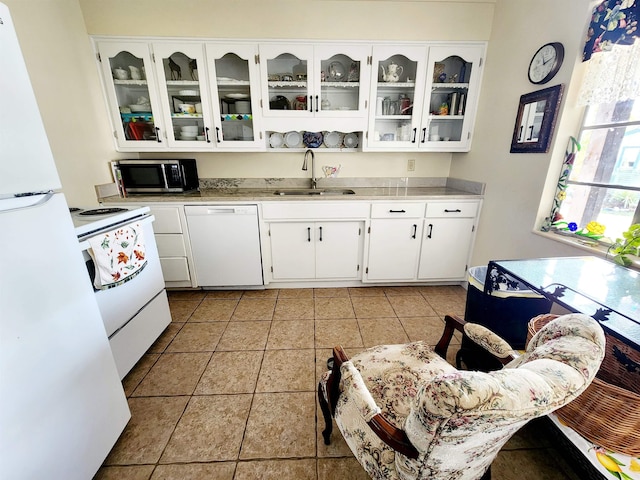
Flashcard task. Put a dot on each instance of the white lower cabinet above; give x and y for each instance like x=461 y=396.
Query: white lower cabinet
x=173 y=245
x=315 y=250
x=447 y=240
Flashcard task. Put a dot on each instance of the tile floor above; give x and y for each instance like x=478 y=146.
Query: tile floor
x=229 y=390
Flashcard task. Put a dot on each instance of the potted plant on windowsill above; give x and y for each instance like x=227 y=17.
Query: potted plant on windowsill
x=628 y=245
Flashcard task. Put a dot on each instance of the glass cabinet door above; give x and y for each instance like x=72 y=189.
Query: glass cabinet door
x=286 y=71
x=132 y=99
x=453 y=76
x=397 y=86
x=341 y=80
x=182 y=79
x=236 y=108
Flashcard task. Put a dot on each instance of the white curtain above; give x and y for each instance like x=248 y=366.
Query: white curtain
x=612 y=75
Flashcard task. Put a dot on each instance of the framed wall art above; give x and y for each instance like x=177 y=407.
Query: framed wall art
x=536 y=120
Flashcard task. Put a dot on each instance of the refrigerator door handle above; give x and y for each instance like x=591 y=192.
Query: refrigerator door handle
x=46 y=196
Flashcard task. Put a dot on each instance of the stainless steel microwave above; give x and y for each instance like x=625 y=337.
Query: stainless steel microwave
x=155 y=176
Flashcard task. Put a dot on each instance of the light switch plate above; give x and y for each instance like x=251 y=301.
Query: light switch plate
x=411 y=165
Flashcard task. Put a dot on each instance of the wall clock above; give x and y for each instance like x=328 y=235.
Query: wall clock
x=546 y=62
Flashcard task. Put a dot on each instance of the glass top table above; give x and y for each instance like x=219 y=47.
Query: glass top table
x=590 y=285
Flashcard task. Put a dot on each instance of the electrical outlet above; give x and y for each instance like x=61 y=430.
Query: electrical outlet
x=411 y=165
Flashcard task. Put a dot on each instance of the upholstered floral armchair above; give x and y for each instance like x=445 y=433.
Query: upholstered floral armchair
x=408 y=414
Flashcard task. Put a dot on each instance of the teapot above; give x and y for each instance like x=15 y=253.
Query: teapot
x=393 y=72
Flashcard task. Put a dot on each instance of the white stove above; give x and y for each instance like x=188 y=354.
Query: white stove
x=88 y=221
x=136 y=312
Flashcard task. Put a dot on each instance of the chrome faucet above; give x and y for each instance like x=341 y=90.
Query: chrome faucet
x=314 y=182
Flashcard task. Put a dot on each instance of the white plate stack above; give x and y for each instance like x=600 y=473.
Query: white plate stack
x=188 y=132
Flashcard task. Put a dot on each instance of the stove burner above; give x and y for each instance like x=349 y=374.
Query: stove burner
x=102 y=211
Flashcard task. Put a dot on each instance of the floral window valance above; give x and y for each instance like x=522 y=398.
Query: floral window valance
x=613 y=22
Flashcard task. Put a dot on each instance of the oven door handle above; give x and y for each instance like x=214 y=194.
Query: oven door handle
x=84 y=243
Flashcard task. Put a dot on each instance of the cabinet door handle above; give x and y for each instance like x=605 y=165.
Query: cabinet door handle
x=424 y=135
x=430 y=230
x=206 y=135
x=415 y=231
x=397 y=211
x=308 y=234
x=218 y=134
x=415 y=134
x=310 y=103
x=158 y=135
x=457 y=210
x=317 y=103
x=320 y=233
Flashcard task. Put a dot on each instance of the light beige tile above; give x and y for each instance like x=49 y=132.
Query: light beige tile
x=427 y=329
x=344 y=331
x=173 y=374
x=214 y=310
x=332 y=468
x=137 y=373
x=254 y=309
x=267 y=293
x=440 y=290
x=230 y=372
x=287 y=371
x=302 y=469
x=330 y=292
x=135 y=472
x=294 y=309
x=195 y=471
x=372 y=307
x=165 y=338
x=335 y=307
x=366 y=292
x=147 y=433
x=244 y=336
x=186 y=294
x=210 y=429
x=295 y=293
x=224 y=294
x=448 y=304
x=197 y=337
x=411 y=306
x=393 y=291
x=382 y=331
x=280 y=425
x=181 y=310
x=290 y=334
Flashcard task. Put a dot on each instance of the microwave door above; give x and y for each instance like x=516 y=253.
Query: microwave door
x=144 y=178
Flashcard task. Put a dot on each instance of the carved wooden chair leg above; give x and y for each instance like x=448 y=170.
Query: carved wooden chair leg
x=328 y=424
x=452 y=323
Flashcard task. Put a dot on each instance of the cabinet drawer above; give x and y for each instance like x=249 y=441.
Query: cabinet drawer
x=171 y=245
x=397 y=210
x=167 y=220
x=314 y=211
x=451 y=209
x=175 y=269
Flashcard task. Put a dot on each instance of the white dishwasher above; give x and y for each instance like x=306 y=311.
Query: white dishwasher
x=225 y=242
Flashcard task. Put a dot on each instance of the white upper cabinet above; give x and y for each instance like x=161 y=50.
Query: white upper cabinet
x=182 y=85
x=235 y=92
x=309 y=83
x=423 y=98
x=134 y=105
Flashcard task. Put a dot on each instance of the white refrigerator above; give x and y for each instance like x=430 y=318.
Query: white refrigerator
x=62 y=405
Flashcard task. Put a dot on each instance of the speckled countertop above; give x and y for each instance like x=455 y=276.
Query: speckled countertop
x=226 y=190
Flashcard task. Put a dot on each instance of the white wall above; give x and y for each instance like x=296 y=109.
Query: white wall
x=516 y=182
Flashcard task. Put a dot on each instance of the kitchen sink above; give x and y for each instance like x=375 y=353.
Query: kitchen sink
x=314 y=191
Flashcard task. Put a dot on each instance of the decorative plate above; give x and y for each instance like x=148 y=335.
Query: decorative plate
x=276 y=140
x=312 y=139
x=332 y=139
x=293 y=139
x=237 y=96
x=351 y=140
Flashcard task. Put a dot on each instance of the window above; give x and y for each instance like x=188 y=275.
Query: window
x=604 y=183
